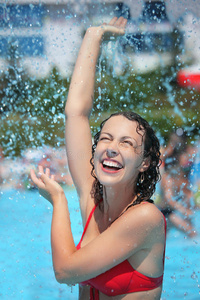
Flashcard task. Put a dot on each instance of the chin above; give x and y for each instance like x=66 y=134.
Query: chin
x=109 y=181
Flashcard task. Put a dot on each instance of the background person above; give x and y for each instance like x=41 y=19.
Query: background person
x=177 y=199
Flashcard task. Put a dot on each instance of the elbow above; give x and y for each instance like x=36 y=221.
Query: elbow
x=62 y=277
x=59 y=277
x=71 y=108
x=72 y=112
x=77 y=112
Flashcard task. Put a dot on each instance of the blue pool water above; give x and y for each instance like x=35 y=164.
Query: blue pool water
x=25 y=254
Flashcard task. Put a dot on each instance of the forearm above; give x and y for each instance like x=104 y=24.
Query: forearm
x=62 y=242
x=81 y=91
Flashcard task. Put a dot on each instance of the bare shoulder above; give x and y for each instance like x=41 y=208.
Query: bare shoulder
x=141 y=226
x=151 y=212
x=145 y=216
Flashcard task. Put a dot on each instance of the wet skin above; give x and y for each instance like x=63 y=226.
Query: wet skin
x=118 y=157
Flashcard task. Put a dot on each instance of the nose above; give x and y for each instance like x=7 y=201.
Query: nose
x=112 y=151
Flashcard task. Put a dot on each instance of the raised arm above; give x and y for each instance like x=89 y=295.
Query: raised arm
x=79 y=105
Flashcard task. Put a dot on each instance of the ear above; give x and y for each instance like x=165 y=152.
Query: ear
x=145 y=164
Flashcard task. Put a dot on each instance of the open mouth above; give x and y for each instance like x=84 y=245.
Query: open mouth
x=111 y=166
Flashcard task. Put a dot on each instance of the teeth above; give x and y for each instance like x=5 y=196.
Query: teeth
x=112 y=164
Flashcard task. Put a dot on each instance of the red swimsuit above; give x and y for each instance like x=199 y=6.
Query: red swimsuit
x=121 y=279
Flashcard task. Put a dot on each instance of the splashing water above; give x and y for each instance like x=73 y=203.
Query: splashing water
x=38 y=49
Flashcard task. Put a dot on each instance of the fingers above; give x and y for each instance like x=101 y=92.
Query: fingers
x=35 y=179
x=124 y=23
x=47 y=172
x=45 y=177
x=33 y=176
x=44 y=180
x=121 y=22
x=41 y=177
x=112 y=22
x=41 y=172
x=118 y=22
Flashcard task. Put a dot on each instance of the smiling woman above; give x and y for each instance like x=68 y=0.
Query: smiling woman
x=143 y=142
x=114 y=178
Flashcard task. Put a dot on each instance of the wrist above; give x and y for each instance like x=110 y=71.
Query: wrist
x=95 y=33
x=58 y=198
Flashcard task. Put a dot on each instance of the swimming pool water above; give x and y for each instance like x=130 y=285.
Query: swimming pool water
x=25 y=253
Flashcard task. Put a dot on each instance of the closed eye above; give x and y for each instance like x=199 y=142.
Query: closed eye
x=128 y=143
x=104 y=138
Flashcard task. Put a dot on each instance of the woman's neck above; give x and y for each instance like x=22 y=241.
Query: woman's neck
x=115 y=201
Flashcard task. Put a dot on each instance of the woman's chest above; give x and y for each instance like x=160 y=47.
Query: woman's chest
x=96 y=226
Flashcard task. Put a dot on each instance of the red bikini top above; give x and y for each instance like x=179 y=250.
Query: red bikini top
x=121 y=279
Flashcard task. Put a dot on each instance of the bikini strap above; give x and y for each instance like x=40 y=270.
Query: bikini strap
x=88 y=221
x=94 y=294
x=165 y=239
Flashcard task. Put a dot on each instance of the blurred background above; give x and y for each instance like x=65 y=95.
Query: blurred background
x=154 y=70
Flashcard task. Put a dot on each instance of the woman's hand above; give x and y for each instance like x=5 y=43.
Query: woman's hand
x=115 y=27
x=108 y=31
x=47 y=186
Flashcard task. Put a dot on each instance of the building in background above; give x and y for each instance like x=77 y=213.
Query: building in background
x=41 y=35
x=44 y=34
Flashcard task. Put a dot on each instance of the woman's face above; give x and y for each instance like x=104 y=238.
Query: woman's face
x=118 y=158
